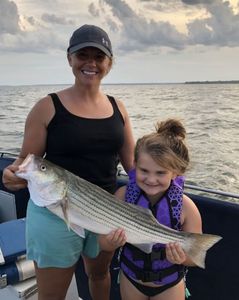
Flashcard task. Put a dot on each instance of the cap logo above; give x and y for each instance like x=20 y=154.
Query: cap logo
x=105 y=42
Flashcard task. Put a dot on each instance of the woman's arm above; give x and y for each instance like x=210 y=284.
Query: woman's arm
x=120 y=193
x=35 y=134
x=127 y=151
x=34 y=141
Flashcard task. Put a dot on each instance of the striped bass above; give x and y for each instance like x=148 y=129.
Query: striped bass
x=84 y=205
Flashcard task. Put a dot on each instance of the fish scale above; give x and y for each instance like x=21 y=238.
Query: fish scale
x=121 y=215
x=120 y=212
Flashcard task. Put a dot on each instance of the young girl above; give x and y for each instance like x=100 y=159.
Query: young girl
x=161 y=158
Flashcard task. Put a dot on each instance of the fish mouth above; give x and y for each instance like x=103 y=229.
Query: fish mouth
x=22 y=168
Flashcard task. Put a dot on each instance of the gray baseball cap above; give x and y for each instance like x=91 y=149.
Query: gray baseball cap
x=90 y=36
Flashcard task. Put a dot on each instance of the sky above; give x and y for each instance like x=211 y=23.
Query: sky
x=154 y=41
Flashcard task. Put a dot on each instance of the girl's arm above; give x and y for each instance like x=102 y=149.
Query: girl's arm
x=113 y=240
x=190 y=218
x=191 y=222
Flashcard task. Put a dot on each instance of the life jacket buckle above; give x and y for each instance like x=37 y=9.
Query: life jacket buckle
x=157 y=254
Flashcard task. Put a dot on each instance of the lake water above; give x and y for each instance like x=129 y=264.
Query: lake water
x=210 y=113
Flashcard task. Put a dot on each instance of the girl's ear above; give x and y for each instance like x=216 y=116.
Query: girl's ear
x=174 y=176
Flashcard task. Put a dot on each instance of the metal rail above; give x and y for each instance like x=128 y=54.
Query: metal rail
x=8 y=154
x=212 y=191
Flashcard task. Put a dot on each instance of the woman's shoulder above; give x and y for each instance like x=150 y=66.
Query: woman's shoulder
x=43 y=102
x=119 y=103
x=43 y=109
x=122 y=108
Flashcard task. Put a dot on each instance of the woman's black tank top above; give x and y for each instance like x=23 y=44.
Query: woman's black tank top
x=86 y=147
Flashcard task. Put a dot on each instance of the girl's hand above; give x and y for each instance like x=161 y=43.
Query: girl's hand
x=113 y=240
x=11 y=181
x=175 y=253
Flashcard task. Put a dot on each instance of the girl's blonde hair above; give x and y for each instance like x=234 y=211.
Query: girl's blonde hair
x=166 y=146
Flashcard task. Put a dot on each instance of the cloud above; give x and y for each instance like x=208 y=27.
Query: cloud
x=31 y=20
x=9 y=17
x=133 y=27
x=30 y=34
x=194 y=2
x=93 y=10
x=162 y=5
x=221 y=28
x=52 y=18
x=219 y=25
x=138 y=33
x=30 y=42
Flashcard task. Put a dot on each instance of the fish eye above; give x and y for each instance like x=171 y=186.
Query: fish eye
x=43 y=167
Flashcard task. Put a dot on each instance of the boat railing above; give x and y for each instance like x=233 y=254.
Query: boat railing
x=211 y=191
x=8 y=154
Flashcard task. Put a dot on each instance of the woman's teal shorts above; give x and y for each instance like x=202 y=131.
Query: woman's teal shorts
x=51 y=244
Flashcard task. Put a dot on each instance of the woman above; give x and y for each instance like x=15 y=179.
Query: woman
x=86 y=132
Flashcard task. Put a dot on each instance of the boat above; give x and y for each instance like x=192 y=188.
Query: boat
x=220 y=215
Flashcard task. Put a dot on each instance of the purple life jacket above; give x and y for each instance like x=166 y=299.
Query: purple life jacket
x=154 y=267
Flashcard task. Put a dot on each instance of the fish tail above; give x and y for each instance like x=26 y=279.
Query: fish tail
x=197 y=247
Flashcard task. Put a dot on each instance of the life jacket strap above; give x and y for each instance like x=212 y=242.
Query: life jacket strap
x=150 y=276
x=156 y=254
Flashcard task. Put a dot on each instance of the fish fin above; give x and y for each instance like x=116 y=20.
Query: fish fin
x=197 y=246
x=62 y=211
x=64 y=206
x=147 y=248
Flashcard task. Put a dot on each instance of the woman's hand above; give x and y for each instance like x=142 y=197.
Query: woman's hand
x=175 y=254
x=11 y=181
x=113 y=240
